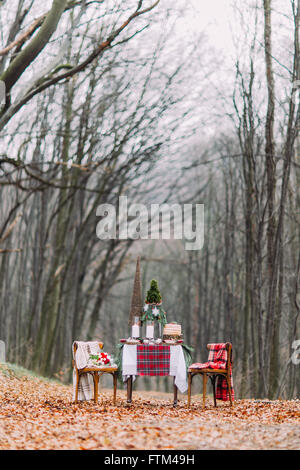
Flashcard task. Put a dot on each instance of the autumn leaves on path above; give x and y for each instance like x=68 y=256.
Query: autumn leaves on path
x=39 y=414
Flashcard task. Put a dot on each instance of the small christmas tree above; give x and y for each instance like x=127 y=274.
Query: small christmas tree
x=153 y=294
x=153 y=310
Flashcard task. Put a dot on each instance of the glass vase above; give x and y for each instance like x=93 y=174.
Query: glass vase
x=135 y=329
x=158 y=330
x=149 y=329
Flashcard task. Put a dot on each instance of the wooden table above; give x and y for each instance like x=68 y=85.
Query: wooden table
x=154 y=360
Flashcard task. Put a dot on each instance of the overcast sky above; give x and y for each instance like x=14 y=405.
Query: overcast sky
x=215 y=17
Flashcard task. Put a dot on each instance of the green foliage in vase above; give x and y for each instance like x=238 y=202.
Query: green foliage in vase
x=153 y=294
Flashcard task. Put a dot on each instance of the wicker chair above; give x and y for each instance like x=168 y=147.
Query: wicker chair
x=96 y=373
x=212 y=374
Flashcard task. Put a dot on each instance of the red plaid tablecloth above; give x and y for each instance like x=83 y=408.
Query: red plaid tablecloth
x=153 y=359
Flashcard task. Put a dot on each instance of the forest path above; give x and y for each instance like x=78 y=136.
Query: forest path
x=38 y=414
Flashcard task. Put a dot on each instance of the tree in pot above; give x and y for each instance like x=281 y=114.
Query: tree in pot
x=153 y=311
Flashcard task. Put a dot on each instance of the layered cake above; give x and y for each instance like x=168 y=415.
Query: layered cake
x=172 y=331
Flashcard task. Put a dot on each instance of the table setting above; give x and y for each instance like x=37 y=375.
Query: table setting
x=154 y=347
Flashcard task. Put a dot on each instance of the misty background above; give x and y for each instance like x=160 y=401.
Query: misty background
x=176 y=102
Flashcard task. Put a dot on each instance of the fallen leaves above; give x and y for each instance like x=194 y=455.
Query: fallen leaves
x=35 y=414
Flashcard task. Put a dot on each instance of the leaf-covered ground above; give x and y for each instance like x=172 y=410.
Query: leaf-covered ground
x=39 y=414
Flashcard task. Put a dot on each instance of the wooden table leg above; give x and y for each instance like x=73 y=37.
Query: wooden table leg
x=131 y=381
x=129 y=389
x=175 y=393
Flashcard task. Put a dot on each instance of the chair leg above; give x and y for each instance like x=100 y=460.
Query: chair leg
x=190 y=378
x=115 y=378
x=204 y=388
x=76 y=387
x=96 y=383
x=229 y=389
x=213 y=381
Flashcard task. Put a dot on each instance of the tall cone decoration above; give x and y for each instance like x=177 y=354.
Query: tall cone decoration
x=136 y=299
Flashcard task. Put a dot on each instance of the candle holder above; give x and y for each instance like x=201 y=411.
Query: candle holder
x=135 y=329
x=150 y=329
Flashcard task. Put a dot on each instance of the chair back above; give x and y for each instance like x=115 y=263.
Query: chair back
x=220 y=352
x=75 y=347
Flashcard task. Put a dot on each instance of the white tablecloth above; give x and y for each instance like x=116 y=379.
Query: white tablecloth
x=177 y=365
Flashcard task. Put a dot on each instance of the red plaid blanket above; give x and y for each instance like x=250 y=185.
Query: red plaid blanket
x=217 y=359
x=153 y=359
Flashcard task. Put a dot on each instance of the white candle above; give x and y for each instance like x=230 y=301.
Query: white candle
x=135 y=333
x=150 y=331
